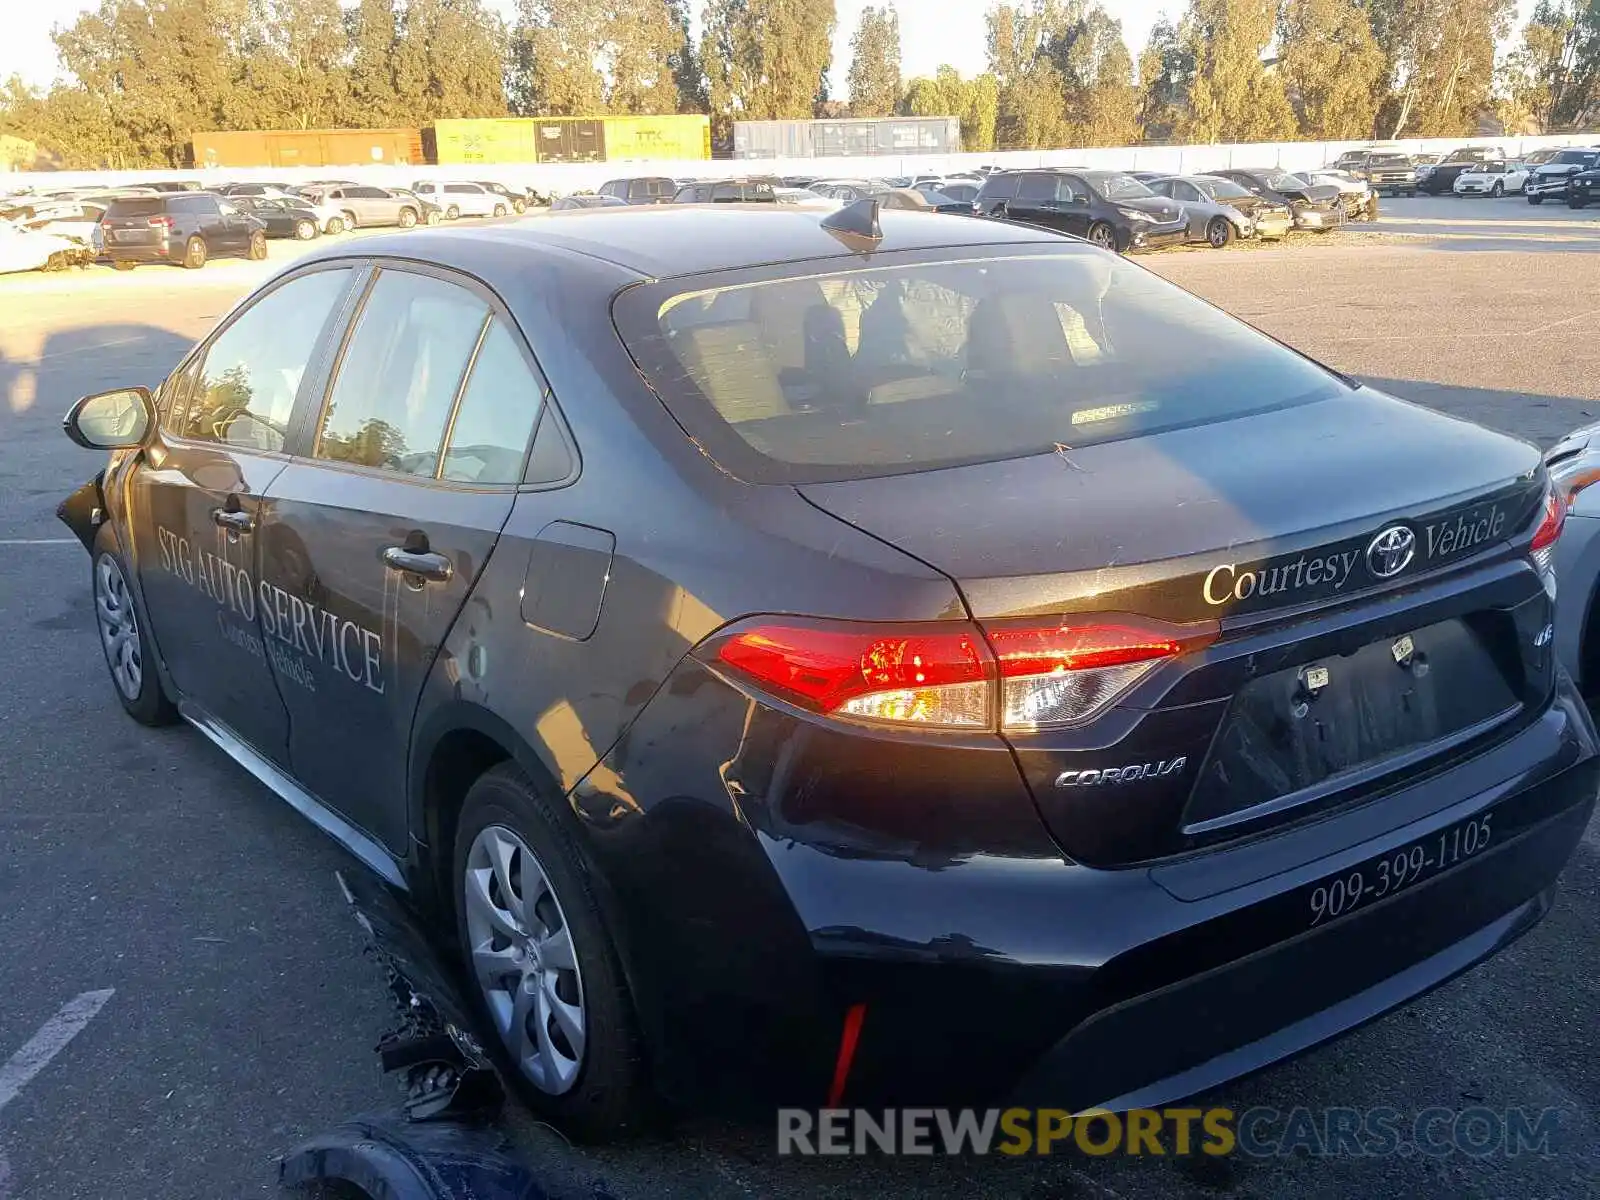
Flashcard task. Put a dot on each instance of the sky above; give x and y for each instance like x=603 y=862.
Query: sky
x=931 y=32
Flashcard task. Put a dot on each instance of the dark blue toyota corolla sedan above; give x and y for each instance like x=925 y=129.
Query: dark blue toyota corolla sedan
x=933 y=655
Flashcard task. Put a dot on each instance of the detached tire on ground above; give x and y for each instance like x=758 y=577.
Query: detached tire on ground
x=130 y=659
x=542 y=964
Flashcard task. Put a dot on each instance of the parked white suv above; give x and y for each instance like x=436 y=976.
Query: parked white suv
x=462 y=199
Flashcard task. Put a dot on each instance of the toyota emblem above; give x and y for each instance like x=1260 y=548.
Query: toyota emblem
x=1391 y=551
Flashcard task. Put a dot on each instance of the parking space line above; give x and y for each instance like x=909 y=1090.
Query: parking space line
x=38 y=541
x=50 y=1041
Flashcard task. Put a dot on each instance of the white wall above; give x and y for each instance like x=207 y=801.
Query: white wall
x=563 y=178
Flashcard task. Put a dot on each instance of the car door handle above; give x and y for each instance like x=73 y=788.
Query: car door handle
x=425 y=563
x=233 y=519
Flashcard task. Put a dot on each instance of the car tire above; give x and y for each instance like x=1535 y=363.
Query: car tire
x=499 y=210
x=194 y=253
x=434 y=218
x=1498 y=190
x=350 y=221
x=258 y=247
x=1535 y=199
x=125 y=637
x=506 y=819
x=519 y=207
x=1219 y=232
x=453 y=213
x=120 y=264
x=1103 y=235
x=335 y=225
x=1573 y=202
x=305 y=230
x=407 y=218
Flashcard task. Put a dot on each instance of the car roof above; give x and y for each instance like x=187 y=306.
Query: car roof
x=659 y=241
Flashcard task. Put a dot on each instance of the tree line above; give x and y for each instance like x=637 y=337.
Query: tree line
x=139 y=76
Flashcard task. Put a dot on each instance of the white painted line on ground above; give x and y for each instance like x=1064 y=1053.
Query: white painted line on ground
x=50 y=1041
x=38 y=541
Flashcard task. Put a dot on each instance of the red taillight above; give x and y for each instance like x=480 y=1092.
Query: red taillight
x=1065 y=671
x=1555 y=516
x=918 y=674
x=161 y=222
x=1013 y=674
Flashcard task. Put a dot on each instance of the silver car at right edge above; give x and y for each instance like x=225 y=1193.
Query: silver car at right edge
x=1574 y=464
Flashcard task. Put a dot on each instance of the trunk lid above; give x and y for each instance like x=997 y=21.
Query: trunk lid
x=1267 y=526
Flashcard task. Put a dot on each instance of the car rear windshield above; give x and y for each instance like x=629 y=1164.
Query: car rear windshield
x=1581 y=157
x=785 y=375
x=142 y=206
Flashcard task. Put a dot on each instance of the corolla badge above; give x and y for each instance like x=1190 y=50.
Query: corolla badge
x=1127 y=774
x=1391 y=551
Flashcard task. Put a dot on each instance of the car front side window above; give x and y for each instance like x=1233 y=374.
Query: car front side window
x=240 y=392
x=400 y=374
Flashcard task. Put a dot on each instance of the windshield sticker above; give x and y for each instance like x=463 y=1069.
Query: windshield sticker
x=297 y=630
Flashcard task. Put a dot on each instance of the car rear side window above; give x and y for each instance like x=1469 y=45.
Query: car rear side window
x=999 y=187
x=1037 y=187
x=400 y=374
x=489 y=432
x=241 y=390
x=787 y=375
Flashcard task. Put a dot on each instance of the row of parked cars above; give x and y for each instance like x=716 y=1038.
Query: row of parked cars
x=173 y=221
x=1569 y=173
x=1121 y=210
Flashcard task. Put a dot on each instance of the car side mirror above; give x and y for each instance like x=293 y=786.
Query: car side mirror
x=111 y=420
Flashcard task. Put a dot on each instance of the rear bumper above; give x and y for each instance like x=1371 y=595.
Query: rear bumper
x=1070 y=987
x=159 y=252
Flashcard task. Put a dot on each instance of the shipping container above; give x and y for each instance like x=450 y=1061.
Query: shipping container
x=847 y=137
x=569 y=139
x=652 y=138
x=481 y=140
x=307 y=148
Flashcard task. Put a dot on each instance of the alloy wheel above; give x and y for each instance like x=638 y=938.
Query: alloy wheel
x=1104 y=237
x=521 y=953
x=119 y=627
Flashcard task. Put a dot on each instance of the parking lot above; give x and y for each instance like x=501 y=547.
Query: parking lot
x=242 y=1012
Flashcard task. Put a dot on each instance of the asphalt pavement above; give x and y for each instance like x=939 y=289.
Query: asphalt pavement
x=183 y=994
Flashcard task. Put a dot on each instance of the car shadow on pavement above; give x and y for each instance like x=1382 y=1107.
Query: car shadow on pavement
x=74 y=362
x=1532 y=417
